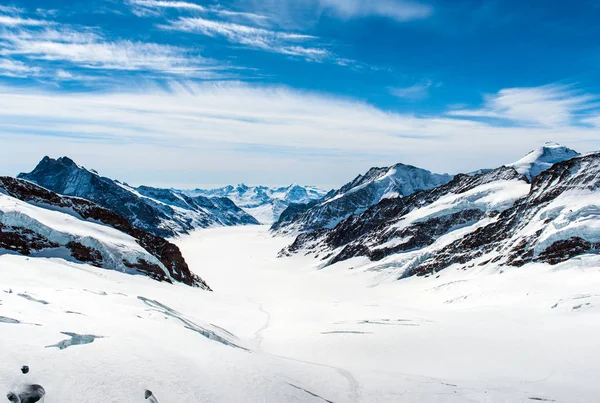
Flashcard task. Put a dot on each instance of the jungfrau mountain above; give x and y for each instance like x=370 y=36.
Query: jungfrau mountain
x=264 y=203
x=163 y=212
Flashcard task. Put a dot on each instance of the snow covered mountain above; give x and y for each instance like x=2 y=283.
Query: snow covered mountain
x=543 y=158
x=356 y=196
x=163 y=212
x=496 y=217
x=263 y=203
x=39 y=223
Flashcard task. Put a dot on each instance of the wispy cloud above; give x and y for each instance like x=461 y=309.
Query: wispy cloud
x=414 y=92
x=10 y=9
x=253 y=37
x=88 y=48
x=195 y=123
x=167 y=4
x=150 y=7
x=399 y=10
x=16 y=68
x=15 y=21
x=549 y=105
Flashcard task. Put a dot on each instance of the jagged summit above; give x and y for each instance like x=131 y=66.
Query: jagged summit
x=357 y=195
x=264 y=203
x=163 y=212
x=543 y=158
x=512 y=215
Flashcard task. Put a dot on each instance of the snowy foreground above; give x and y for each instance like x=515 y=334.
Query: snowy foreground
x=280 y=330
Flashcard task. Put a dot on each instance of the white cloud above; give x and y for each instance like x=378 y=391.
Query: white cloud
x=167 y=4
x=10 y=9
x=549 y=105
x=184 y=5
x=11 y=21
x=303 y=14
x=398 y=10
x=16 y=68
x=253 y=37
x=415 y=92
x=237 y=128
x=89 y=49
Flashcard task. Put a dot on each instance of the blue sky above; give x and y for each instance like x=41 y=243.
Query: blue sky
x=203 y=93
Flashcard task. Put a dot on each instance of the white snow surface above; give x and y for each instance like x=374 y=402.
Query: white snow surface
x=280 y=330
x=542 y=158
x=494 y=196
x=62 y=227
x=263 y=203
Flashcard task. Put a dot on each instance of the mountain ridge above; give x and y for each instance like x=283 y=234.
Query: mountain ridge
x=263 y=202
x=161 y=211
x=36 y=220
x=356 y=196
x=498 y=216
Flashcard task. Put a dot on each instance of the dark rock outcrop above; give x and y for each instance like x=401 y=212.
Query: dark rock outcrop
x=362 y=234
x=24 y=241
x=529 y=229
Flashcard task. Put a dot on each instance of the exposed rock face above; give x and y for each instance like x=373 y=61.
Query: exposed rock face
x=556 y=221
x=494 y=217
x=357 y=196
x=23 y=240
x=163 y=212
x=363 y=234
x=27 y=240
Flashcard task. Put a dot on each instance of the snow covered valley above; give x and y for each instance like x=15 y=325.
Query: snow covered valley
x=286 y=330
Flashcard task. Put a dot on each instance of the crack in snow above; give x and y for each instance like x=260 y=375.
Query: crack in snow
x=188 y=324
x=75 y=340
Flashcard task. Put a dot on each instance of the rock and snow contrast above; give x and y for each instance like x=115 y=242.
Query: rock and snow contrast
x=39 y=223
x=496 y=218
x=543 y=158
x=163 y=212
x=264 y=203
x=356 y=196
x=481 y=287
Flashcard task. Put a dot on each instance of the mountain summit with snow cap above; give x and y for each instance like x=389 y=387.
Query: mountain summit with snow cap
x=543 y=158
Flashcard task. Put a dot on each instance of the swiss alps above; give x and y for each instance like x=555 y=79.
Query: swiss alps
x=163 y=212
x=530 y=211
x=356 y=196
x=40 y=223
x=264 y=203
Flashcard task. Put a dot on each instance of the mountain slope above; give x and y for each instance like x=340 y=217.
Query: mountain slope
x=35 y=221
x=264 y=203
x=356 y=196
x=162 y=212
x=415 y=221
x=543 y=158
x=495 y=217
x=559 y=219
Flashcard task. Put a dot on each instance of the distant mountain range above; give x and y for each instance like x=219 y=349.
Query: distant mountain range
x=542 y=208
x=163 y=212
x=263 y=203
